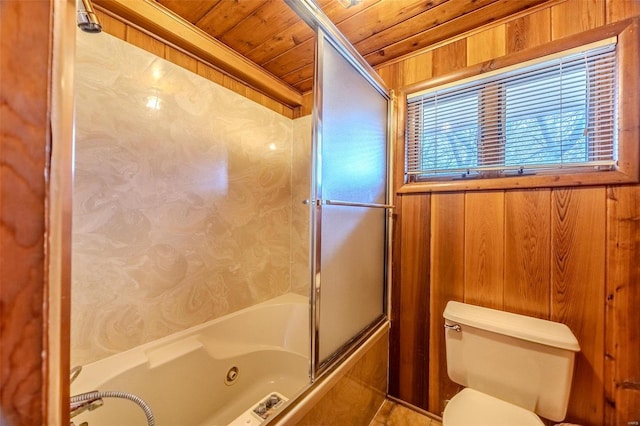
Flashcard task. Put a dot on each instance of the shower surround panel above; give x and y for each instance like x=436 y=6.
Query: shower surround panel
x=182 y=207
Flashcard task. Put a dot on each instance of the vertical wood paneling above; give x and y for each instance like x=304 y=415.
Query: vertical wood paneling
x=267 y=102
x=307 y=105
x=235 y=85
x=447 y=283
x=484 y=249
x=527 y=247
x=449 y=58
x=112 y=26
x=577 y=296
x=25 y=57
x=395 y=339
x=144 y=41
x=391 y=75
x=528 y=31
x=274 y=105
x=617 y=10
x=417 y=68
x=383 y=72
x=486 y=45
x=255 y=96
x=177 y=57
x=575 y=16
x=209 y=73
x=555 y=246
x=622 y=381
x=410 y=322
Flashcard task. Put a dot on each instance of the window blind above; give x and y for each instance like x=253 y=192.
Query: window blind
x=557 y=113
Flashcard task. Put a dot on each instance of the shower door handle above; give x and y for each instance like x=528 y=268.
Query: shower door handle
x=348 y=204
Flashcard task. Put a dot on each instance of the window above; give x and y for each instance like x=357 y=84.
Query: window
x=556 y=113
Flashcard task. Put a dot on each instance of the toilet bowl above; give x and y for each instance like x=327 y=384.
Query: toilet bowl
x=514 y=368
x=470 y=407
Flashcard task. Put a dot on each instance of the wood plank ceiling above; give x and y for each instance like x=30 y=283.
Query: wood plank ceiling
x=271 y=35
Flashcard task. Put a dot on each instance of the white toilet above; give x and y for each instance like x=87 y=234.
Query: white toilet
x=513 y=367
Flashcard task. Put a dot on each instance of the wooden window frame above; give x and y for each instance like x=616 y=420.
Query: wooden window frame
x=628 y=70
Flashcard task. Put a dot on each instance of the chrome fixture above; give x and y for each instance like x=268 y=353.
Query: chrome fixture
x=86 y=17
x=80 y=404
x=266 y=408
x=74 y=373
x=346 y=204
x=92 y=400
x=454 y=327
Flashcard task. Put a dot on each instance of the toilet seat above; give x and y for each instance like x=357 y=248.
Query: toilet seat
x=472 y=408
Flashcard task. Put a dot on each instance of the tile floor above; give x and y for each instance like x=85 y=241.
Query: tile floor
x=392 y=414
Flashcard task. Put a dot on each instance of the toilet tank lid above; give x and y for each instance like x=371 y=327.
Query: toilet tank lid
x=536 y=330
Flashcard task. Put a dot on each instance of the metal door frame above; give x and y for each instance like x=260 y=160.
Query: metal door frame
x=326 y=32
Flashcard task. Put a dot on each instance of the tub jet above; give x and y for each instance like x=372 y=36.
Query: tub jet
x=232 y=376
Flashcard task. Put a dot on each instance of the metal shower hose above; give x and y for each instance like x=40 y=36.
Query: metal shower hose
x=116 y=394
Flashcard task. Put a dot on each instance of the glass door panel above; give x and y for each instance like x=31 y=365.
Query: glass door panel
x=352 y=276
x=353 y=133
x=350 y=202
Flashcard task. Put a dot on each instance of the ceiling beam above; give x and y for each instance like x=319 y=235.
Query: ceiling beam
x=154 y=18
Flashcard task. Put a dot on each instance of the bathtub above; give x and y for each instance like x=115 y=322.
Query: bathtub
x=211 y=374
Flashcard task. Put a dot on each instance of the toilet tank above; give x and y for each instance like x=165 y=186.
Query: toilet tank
x=522 y=360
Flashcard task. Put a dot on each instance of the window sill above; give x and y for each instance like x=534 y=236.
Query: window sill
x=537 y=181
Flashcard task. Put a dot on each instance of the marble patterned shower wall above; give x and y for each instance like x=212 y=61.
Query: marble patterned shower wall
x=183 y=201
x=300 y=190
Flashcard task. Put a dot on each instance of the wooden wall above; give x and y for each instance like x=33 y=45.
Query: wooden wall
x=117 y=28
x=566 y=254
x=24 y=148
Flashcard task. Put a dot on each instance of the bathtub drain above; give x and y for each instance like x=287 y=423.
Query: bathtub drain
x=232 y=376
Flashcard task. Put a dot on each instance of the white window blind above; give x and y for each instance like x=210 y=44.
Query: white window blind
x=557 y=113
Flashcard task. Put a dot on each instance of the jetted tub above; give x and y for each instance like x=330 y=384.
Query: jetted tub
x=185 y=377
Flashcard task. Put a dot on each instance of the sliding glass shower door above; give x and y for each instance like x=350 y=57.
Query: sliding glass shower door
x=349 y=201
